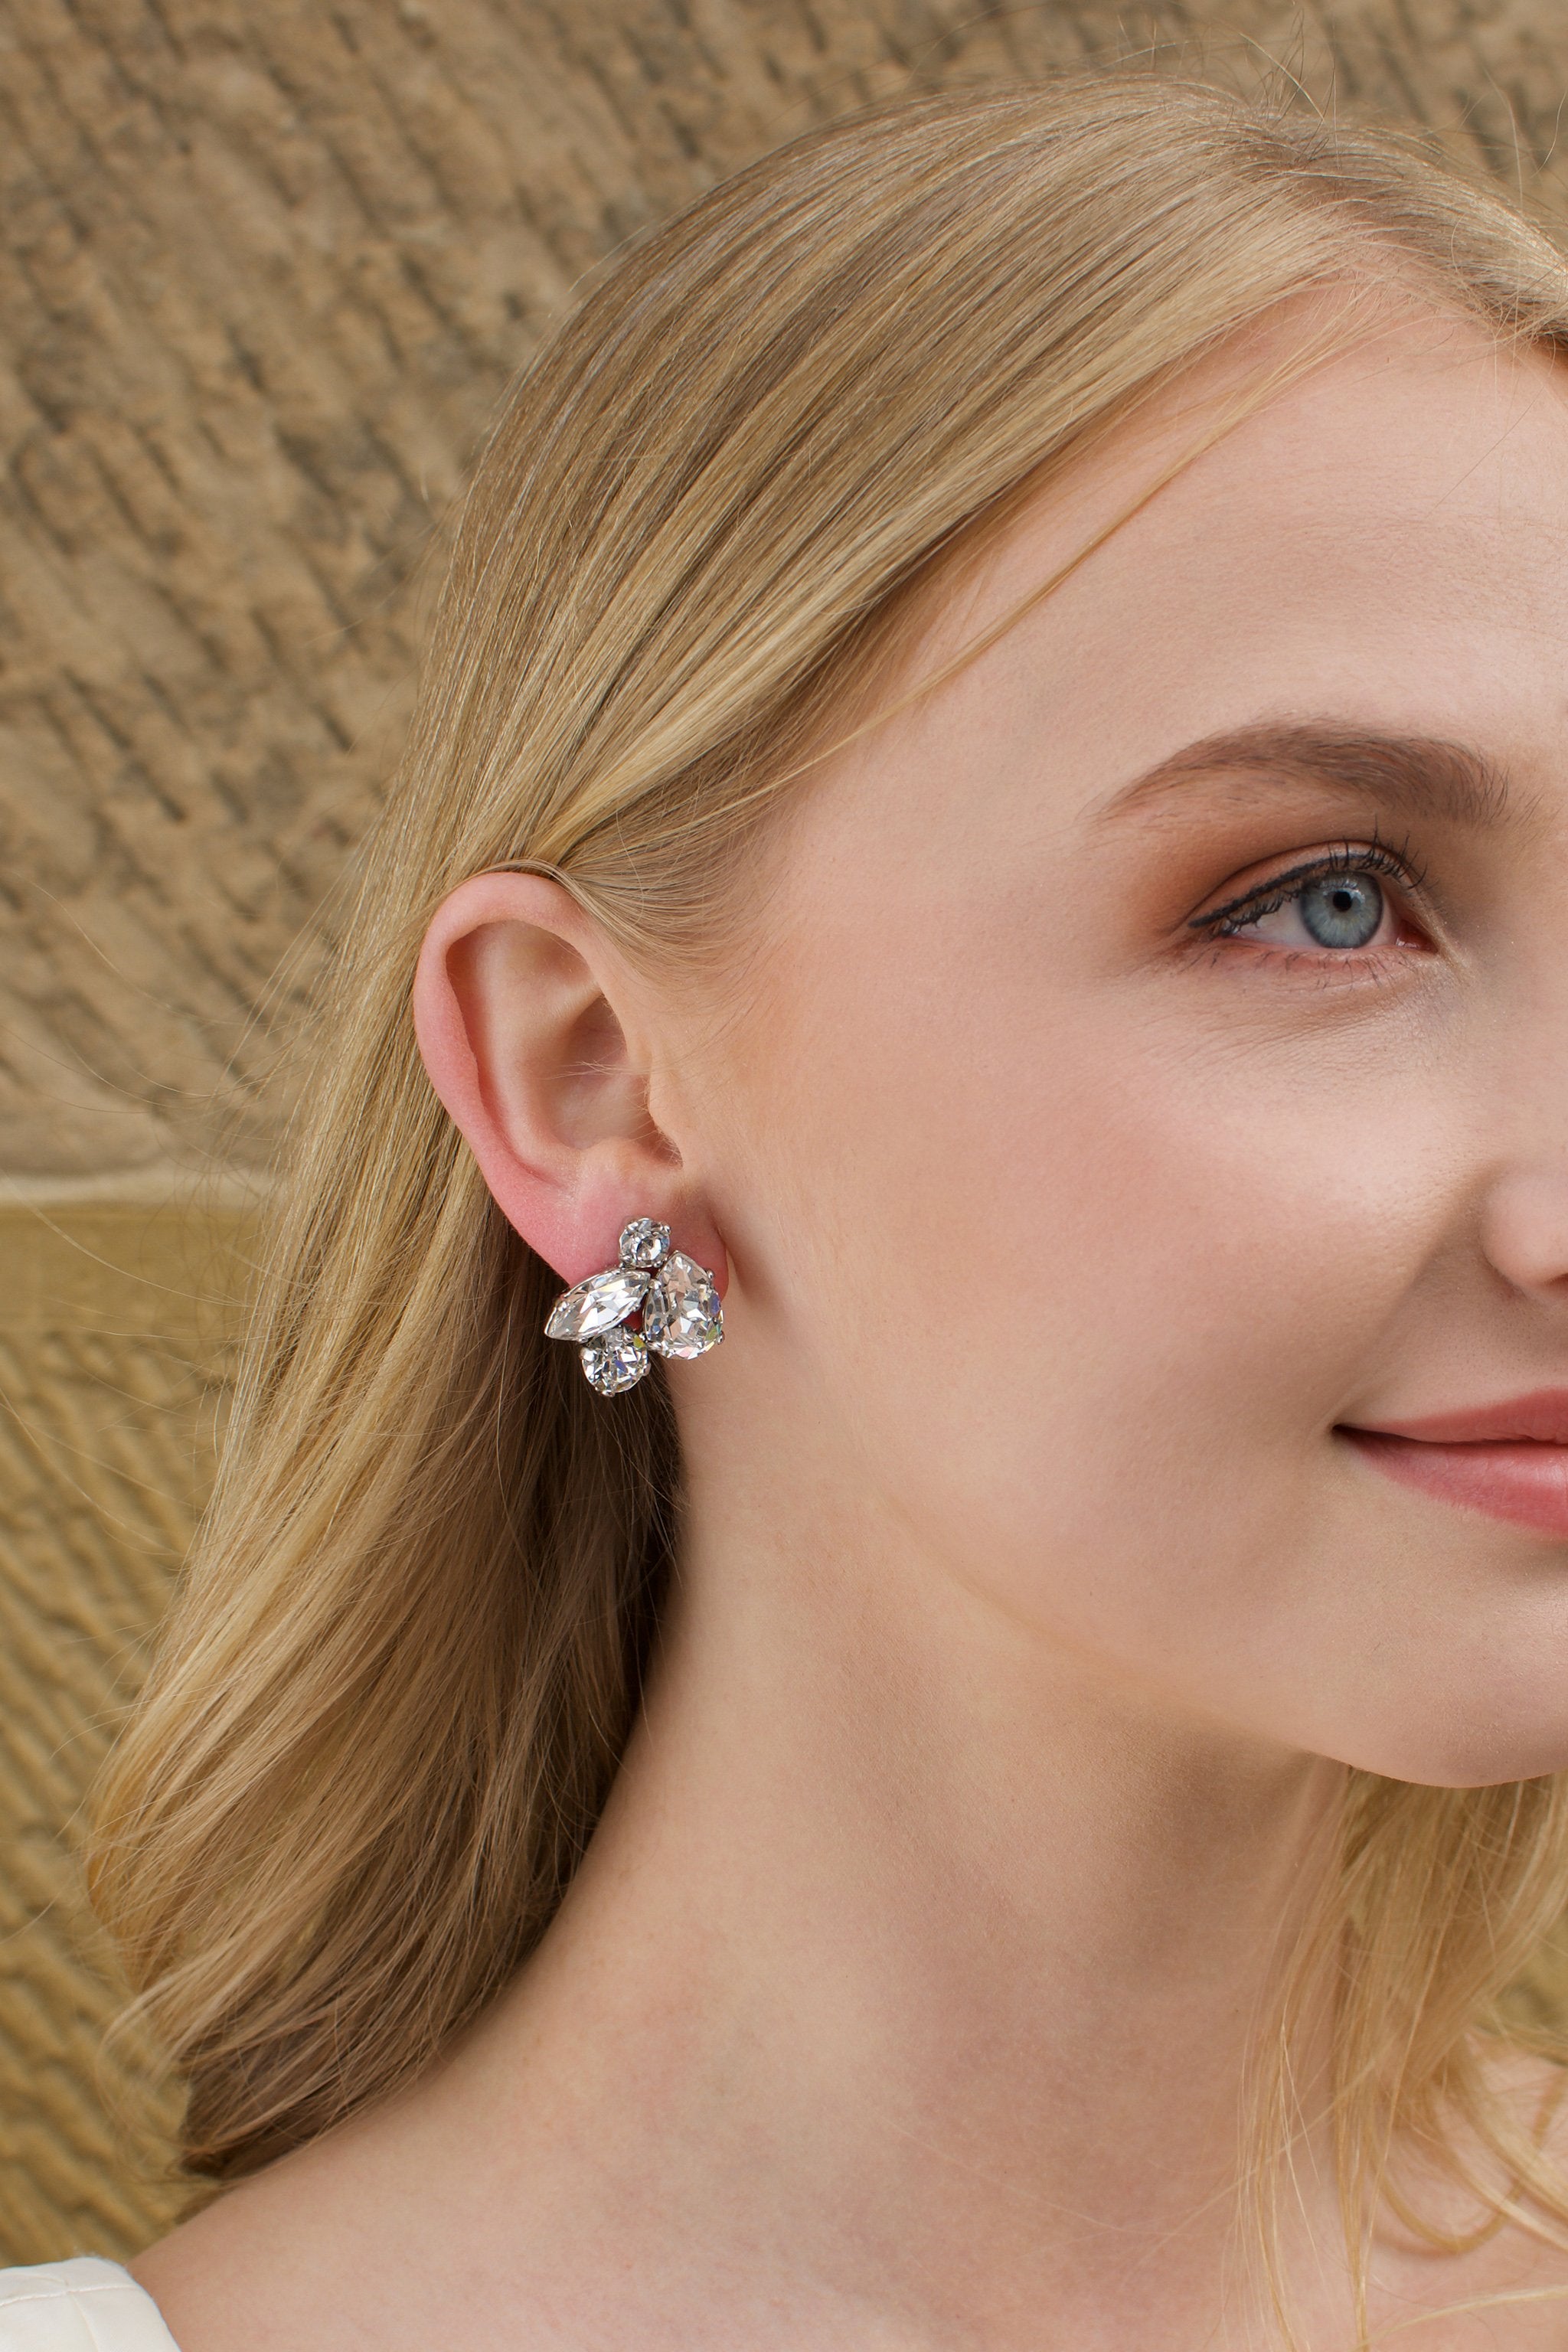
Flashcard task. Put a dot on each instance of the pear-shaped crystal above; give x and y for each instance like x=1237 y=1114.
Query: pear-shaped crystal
x=616 y=1361
x=598 y=1304
x=681 y=1315
x=645 y=1242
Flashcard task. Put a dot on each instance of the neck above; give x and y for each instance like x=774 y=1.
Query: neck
x=915 y=1954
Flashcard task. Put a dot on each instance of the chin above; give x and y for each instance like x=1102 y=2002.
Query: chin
x=1470 y=1750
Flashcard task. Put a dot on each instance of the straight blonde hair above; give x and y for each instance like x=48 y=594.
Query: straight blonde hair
x=399 y=1676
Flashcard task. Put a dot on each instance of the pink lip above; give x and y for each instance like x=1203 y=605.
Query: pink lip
x=1509 y=1460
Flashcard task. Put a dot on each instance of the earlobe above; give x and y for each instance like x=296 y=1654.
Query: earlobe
x=515 y=1008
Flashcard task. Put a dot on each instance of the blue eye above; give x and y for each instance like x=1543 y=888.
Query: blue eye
x=1342 y=910
x=1337 y=903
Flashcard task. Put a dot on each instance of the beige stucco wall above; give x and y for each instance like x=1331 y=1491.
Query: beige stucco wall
x=114 y=1324
x=265 y=267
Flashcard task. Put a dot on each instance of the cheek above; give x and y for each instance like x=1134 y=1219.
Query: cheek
x=1080 y=1290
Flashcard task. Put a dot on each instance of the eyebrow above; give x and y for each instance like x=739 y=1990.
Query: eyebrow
x=1413 y=775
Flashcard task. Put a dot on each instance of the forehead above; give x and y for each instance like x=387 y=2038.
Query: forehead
x=1385 y=541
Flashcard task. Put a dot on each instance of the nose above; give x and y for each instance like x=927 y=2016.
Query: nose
x=1524 y=1228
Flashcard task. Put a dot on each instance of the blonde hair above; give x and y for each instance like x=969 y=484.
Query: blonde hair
x=398 y=1679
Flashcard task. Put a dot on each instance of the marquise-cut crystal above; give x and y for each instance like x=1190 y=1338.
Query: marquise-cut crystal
x=616 y=1361
x=645 y=1242
x=681 y=1315
x=598 y=1304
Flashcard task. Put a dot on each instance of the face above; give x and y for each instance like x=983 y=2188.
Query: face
x=1151 y=1075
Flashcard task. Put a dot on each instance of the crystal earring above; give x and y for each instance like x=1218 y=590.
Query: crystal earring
x=672 y=1298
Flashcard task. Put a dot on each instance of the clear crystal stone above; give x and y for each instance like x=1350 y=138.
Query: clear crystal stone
x=644 y=1242
x=598 y=1305
x=681 y=1315
x=616 y=1361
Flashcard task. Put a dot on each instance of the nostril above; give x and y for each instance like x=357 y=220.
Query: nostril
x=1524 y=1228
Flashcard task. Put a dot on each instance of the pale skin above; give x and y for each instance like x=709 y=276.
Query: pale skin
x=1032 y=1601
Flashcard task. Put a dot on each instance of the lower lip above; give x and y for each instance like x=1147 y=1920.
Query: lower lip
x=1517 y=1479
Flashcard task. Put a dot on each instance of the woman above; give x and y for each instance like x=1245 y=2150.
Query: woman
x=991 y=790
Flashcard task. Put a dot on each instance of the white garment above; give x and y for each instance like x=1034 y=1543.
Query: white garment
x=84 y=2306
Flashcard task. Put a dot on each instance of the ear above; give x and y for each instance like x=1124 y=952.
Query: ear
x=531 y=1033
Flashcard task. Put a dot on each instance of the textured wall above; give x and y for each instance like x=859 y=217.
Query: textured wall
x=114 y=1325
x=265 y=267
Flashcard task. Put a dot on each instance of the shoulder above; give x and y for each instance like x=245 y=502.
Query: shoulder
x=78 y=2306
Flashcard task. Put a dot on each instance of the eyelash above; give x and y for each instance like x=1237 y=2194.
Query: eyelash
x=1235 y=918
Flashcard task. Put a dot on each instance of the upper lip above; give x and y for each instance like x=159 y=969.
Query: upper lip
x=1542 y=1416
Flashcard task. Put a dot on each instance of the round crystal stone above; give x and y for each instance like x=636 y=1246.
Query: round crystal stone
x=644 y=1242
x=619 y=1360
x=681 y=1315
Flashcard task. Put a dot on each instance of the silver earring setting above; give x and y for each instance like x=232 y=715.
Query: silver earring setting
x=672 y=1298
